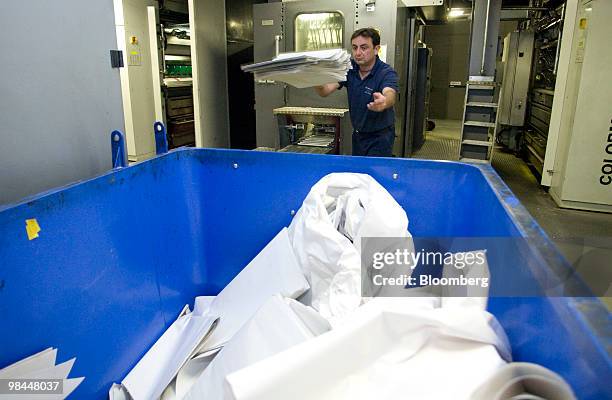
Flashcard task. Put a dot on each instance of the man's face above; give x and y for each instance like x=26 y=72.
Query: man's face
x=364 y=51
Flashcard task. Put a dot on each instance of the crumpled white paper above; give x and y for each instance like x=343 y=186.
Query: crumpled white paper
x=278 y=325
x=214 y=321
x=384 y=353
x=326 y=235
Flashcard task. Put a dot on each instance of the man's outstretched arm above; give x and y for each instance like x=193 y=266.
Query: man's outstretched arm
x=327 y=89
x=382 y=101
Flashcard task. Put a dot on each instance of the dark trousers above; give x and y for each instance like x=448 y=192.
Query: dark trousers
x=376 y=144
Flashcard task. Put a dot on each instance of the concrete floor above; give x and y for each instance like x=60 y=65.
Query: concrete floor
x=583 y=237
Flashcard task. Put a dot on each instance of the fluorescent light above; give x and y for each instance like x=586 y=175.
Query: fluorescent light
x=455 y=12
x=588 y=9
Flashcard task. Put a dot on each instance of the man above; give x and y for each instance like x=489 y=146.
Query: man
x=372 y=86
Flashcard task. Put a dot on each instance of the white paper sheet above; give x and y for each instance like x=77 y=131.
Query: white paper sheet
x=326 y=54
x=189 y=374
x=59 y=371
x=42 y=360
x=382 y=355
x=118 y=392
x=42 y=366
x=278 y=325
x=202 y=304
x=149 y=378
x=273 y=271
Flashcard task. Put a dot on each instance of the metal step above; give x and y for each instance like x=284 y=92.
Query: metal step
x=480 y=123
x=480 y=78
x=480 y=86
x=479 y=104
x=477 y=142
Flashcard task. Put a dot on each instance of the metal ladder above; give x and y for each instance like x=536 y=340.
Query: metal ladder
x=479 y=120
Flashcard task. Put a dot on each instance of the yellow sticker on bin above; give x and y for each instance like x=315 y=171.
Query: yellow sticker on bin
x=32 y=228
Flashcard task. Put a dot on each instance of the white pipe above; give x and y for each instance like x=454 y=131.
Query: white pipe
x=484 y=39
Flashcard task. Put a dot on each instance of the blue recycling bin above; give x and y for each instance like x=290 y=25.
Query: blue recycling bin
x=118 y=256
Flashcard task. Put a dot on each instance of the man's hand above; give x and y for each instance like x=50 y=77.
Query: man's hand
x=379 y=103
x=383 y=100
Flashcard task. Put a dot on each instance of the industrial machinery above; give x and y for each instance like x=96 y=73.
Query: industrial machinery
x=319 y=24
x=516 y=58
x=422 y=92
x=160 y=43
x=536 y=134
x=172 y=45
x=547 y=27
x=578 y=161
x=309 y=129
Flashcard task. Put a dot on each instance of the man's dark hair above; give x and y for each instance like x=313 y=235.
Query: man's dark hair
x=368 y=33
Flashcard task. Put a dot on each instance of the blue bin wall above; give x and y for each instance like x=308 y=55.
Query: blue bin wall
x=119 y=255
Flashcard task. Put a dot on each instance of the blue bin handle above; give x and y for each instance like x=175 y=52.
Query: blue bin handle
x=161 y=140
x=119 y=155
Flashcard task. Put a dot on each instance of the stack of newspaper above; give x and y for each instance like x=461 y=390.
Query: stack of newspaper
x=304 y=69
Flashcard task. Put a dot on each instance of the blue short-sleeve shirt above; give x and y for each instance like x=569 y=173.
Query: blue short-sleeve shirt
x=360 y=93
